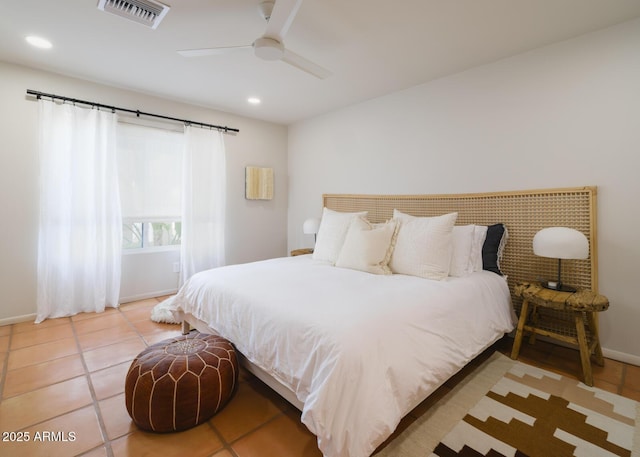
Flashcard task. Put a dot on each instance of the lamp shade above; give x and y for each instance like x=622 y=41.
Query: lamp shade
x=311 y=226
x=561 y=243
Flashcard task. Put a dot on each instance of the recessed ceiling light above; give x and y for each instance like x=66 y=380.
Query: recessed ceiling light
x=38 y=42
x=254 y=100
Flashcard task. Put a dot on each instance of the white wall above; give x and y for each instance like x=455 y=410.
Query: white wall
x=561 y=116
x=148 y=274
x=258 y=144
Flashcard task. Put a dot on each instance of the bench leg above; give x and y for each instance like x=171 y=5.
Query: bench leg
x=534 y=323
x=518 y=340
x=597 y=349
x=585 y=353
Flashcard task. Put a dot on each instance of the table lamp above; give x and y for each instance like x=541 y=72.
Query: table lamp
x=311 y=226
x=560 y=243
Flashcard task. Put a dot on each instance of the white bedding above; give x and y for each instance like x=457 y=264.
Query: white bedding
x=358 y=350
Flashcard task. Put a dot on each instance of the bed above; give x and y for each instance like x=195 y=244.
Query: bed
x=356 y=351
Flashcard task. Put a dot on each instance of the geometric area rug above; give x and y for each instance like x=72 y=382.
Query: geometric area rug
x=510 y=409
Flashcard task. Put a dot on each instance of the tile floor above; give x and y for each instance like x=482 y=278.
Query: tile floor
x=67 y=376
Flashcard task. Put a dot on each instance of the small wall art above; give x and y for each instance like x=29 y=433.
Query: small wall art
x=258 y=183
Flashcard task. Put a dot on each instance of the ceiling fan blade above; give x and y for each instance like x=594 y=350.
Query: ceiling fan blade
x=213 y=51
x=305 y=65
x=281 y=18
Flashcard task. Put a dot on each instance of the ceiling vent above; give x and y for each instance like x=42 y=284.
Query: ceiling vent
x=146 y=12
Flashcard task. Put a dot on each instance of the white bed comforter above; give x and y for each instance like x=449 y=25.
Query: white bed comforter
x=359 y=350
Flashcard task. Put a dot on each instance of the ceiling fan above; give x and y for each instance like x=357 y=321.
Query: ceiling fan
x=270 y=46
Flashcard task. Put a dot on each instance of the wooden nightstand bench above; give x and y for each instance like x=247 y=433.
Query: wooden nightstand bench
x=581 y=304
x=302 y=251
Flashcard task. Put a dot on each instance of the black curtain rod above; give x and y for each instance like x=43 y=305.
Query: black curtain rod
x=138 y=113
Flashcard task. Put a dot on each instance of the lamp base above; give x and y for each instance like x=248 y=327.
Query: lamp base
x=556 y=285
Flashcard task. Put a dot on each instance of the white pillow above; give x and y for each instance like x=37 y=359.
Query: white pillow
x=462 y=238
x=331 y=233
x=368 y=247
x=423 y=246
x=479 y=235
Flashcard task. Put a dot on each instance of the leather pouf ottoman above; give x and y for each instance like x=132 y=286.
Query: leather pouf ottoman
x=179 y=383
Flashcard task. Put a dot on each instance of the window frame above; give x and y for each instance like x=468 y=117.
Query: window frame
x=149 y=249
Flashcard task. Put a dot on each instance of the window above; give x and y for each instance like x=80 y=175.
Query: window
x=138 y=235
x=150 y=174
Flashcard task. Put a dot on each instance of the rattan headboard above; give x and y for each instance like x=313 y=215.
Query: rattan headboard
x=523 y=213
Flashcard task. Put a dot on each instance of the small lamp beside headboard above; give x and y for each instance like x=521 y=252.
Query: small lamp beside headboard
x=560 y=243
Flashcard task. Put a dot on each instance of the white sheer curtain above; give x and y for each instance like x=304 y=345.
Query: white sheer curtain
x=80 y=228
x=203 y=202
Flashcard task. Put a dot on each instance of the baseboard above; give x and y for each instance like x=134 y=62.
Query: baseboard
x=621 y=356
x=158 y=293
x=32 y=317
x=608 y=353
x=17 y=319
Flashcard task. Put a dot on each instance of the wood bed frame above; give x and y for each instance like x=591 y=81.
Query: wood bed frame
x=522 y=212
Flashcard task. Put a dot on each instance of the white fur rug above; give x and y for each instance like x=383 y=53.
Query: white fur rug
x=162 y=312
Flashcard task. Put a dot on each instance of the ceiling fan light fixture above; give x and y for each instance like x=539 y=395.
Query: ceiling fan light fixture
x=268 y=49
x=270 y=46
x=265 y=9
